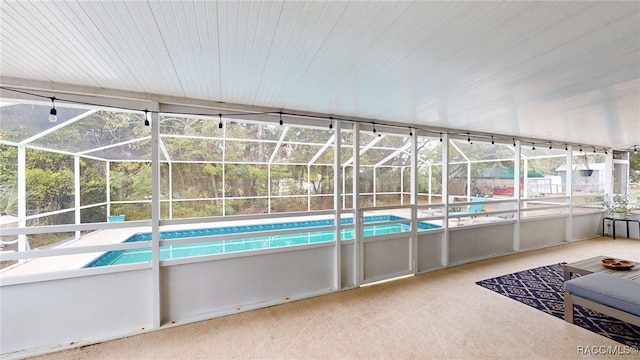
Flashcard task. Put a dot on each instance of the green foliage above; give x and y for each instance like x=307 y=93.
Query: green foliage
x=93 y=214
x=93 y=188
x=49 y=183
x=289 y=204
x=634 y=167
x=49 y=189
x=9 y=200
x=249 y=161
x=8 y=165
x=322 y=179
x=242 y=180
x=246 y=206
x=619 y=204
x=546 y=166
x=196 y=180
x=190 y=209
x=130 y=181
x=389 y=179
x=133 y=211
x=322 y=202
x=8 y=180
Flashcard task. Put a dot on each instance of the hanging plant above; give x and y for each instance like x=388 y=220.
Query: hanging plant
x=587 y=171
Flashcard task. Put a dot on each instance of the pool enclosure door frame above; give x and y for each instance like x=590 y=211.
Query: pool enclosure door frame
x=384 y=257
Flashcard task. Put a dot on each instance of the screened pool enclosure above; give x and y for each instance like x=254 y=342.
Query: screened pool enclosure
x=75 y=190
x=241 y=165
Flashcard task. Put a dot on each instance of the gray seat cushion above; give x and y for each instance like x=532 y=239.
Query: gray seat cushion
x=610 y=290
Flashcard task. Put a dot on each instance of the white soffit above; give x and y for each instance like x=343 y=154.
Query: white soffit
x=564 y=71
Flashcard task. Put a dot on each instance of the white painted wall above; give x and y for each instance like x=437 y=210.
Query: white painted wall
x=470 y=243
x=429 y=251
x=586 y=225
x=59 y=312
x=386 y=258
x=540 y=232
x=208 y=288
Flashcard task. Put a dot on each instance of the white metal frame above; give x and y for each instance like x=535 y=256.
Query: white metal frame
x=155 y=278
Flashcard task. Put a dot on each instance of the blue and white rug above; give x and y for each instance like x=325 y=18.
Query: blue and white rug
x=542 y=288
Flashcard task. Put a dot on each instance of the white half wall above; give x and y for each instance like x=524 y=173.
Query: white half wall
x=586 y=225
x=60 y=312
x=540 y=232
x=386 y=258
x=246 y=282
x=469 y=243
x=429 y=251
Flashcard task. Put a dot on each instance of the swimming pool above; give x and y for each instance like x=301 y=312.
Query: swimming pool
x=250 y=243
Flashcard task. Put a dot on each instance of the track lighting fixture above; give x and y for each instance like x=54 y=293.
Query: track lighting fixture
x=566 y=147
x=281 y=122
x=146 y=118
x=635 y=148
x=468 y=138
x=440 y=136
x=410 y=131
x=330 y=122
x=220 y=123
x=374 y=128
x=550 y=146
x=514 y=142
x=606 y=152
x=580 y=148
x=53 y=113
x=533 y=146
x=594 y=150
x=492 y=142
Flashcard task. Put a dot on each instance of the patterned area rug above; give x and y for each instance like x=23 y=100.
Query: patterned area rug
x=542 y=288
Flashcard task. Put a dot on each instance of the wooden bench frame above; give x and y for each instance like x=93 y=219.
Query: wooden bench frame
x=570 y=300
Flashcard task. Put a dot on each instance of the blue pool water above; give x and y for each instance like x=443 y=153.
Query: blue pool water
x=249 y=243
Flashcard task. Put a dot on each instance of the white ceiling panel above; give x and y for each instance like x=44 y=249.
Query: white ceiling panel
x=563 y=71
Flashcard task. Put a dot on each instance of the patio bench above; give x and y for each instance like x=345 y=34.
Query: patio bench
x=607 y=294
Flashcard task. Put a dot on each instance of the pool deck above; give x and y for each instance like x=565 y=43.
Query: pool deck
x=118 y=235
x=69 y=262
